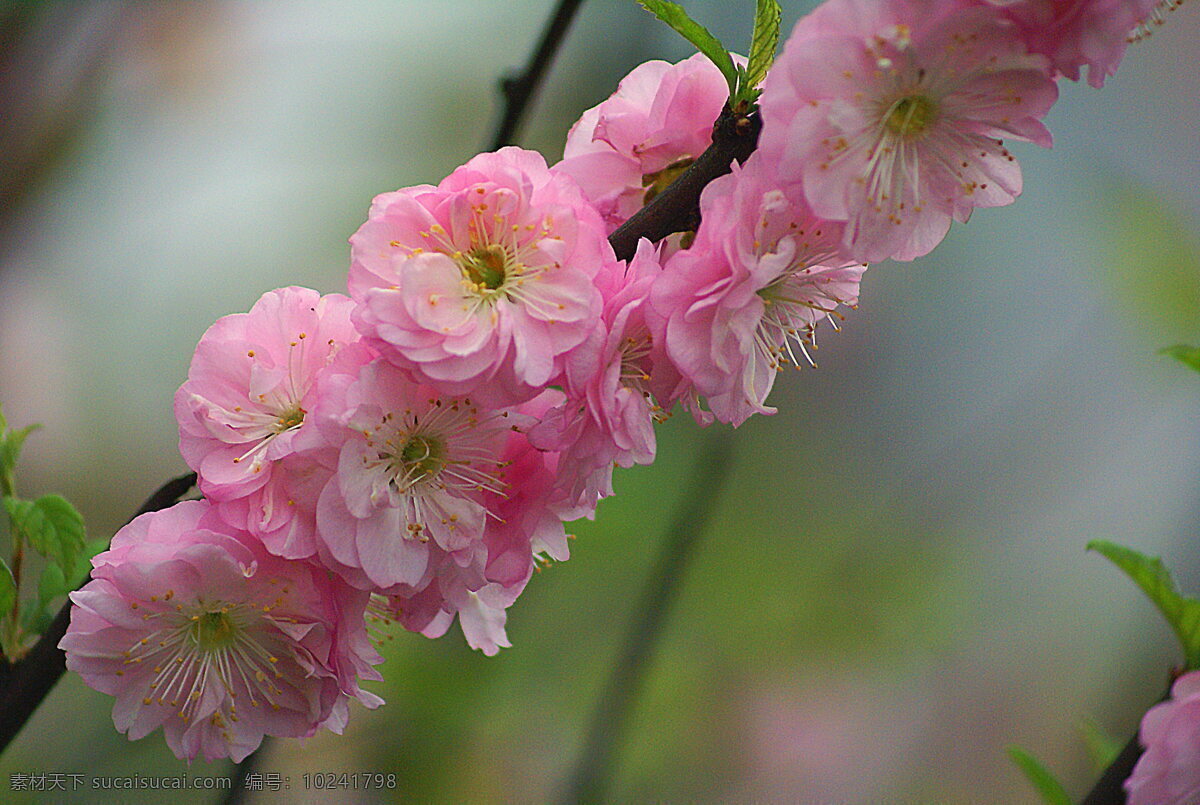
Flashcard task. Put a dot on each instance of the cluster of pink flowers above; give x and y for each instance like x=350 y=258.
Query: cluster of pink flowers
x=410 y=453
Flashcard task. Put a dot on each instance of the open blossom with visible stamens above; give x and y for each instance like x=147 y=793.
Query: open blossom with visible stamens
x=412 y=467
x=1078 y=33
x=744 y=301
x=627 y=149
x=202 y=632
x=243 y=411
x=1168 y=772
x=889 y=113
x=482 y=284
x=479 y=584
x=618 y=385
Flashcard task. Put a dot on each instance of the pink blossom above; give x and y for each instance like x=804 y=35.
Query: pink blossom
x=1168 y=772
x=453 y=591
x=242 y=413
x=482 y=284
x=412 y=467
x=531 y=510
x=478 y=584
x=627 y=149
x=1077 y=33
x=889 y=113
x=618 y=385
x=744 y=301
x=197 y=629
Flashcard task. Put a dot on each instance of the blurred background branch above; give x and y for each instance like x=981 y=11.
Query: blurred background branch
x=592 y=778
x=519 y=90
x=53 y=57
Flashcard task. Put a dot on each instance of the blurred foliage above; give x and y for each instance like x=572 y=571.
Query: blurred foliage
x=1151 y=259
x=1048 y=787
x=1151 y=575
x=1102 y=747
x=1187 y=355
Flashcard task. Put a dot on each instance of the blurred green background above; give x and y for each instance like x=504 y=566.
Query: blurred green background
x=894 y=586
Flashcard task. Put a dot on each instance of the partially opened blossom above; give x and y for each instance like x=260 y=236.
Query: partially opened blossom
x=744 y=301
x=1168 y=772
x=482 y=284
x=1073 y=34
x=243 y=412
x=413 y=467
x=889 y=116
x=627 y=149
x=199 y=630
x=618 y=385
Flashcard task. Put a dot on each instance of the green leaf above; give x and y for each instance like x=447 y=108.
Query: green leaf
x=17 y=509
x=674 y=15
x=762 y=44
x=1185 y=354
x=1102 y=747
x=1149 y=573
x=52 y=584
x=10 y=451
x=1047 y=785
x=11 y=443
x=52 y=526
x=8 y=589
x=35 y=620
x=83 y=565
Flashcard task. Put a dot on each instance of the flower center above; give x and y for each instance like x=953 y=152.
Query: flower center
x=486 y=266
x=290 y=418
x=911 y=115
x=212 y=631
x=421 y=457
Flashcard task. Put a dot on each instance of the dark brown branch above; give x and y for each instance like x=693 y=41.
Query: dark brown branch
x=24 y=684
x=519 y=89
x=1110 y=788
x=593 y=772
x=677 y=208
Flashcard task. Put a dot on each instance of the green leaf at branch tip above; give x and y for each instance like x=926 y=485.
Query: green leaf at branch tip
x=1149 y=573
x=1102 y=747
x=674 y=15
x=10 y=450
x=1185 y=354
x=52 y=526
x=762 y=45
x=1047 y=785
